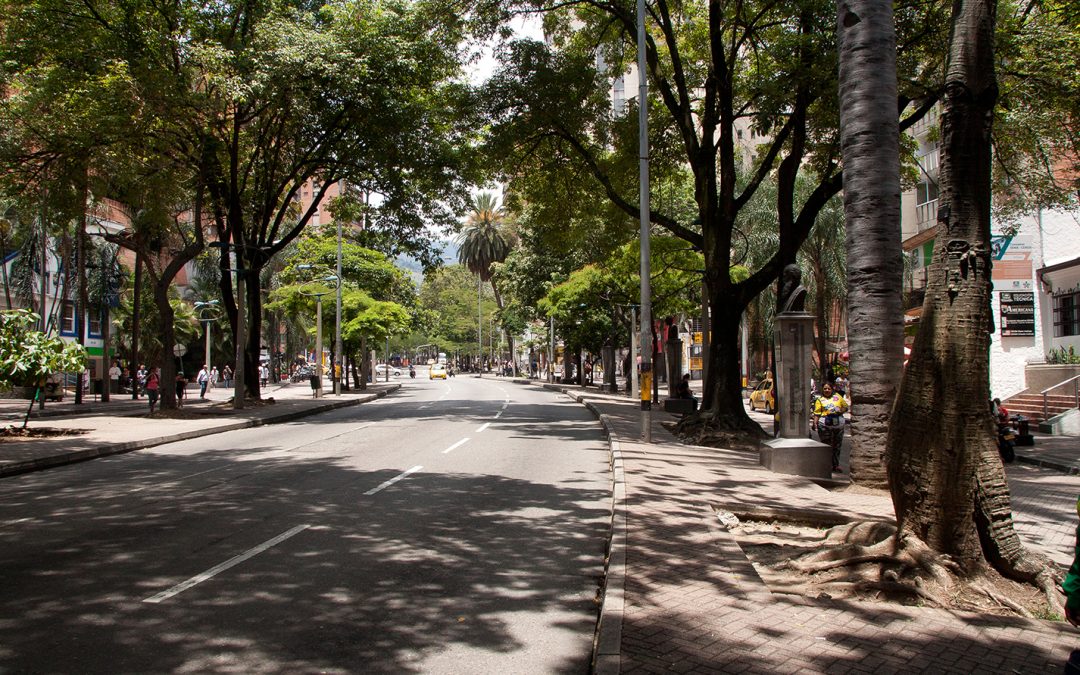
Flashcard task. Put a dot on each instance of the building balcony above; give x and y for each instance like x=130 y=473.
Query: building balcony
x=926 y=215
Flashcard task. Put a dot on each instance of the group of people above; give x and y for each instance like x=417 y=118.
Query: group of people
x=147 y=381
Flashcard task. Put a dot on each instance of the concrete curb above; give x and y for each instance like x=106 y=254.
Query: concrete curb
x=106 y=450
x=607 y=646
x=607 y=642
x=1067 y=469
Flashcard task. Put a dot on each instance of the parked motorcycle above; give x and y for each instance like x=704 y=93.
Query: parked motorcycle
x=1006 y=440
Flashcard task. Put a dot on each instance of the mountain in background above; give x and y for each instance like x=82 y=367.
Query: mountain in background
x=449 y=257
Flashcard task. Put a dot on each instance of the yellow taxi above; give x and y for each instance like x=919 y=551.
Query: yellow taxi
x=763 y=397
x=437 y=372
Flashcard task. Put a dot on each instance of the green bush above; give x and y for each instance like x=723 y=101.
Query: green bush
x=28 y=356
x=1063 y=356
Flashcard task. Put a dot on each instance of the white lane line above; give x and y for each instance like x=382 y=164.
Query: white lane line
x=456 y=445
x=483 y=426
x=393 y=480
x=504 y=405
x=176 y=481
x=231 y=562
x=498 y=414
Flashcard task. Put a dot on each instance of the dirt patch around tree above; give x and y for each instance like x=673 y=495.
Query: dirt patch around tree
x=816 y=558
x=15 y=434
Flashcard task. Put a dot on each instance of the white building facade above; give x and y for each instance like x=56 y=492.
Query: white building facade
x=1035 y=287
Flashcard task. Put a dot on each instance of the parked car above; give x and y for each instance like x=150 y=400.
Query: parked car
x=764 y=397
x=380 y=369
x=438 y=372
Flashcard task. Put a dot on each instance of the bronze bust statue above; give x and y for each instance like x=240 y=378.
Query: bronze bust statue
x=792 y=295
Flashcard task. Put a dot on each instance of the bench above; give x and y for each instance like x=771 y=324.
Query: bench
x=680 y=406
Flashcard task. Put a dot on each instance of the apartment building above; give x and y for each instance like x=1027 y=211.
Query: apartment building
x=1036 y=272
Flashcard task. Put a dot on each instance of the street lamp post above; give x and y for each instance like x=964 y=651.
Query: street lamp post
x=339 y=359
x=318 y=295
x=551 y=353
x=643 y=170
x=207 y=315
x=479 y=330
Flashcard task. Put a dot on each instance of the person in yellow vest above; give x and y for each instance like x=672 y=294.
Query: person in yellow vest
x=829 y=409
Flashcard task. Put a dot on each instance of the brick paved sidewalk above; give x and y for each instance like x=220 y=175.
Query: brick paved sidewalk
x=683 y=597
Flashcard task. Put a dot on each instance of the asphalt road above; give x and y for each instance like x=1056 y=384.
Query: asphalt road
x=454 y=526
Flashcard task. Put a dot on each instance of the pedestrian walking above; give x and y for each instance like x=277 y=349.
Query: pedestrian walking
x=227 y=375
x=213 y=377
x=203 y=378
x=140 y=379
x=153 y=384
x=181 y=389
x=264 y=375
x=829 y=409
x=114 y=378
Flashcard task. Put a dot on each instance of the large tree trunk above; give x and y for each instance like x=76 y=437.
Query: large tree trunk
x=136 y=317
x=869 y=138
x=947 y=479
x=253 y=300
x=167 y=331
x=722 y=402
x=506 y=331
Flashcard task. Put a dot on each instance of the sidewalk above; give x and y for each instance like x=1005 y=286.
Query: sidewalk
x=123 y=424
x=681 y=595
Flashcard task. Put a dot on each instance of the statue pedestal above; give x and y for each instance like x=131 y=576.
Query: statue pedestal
x=798 y=456
x=794 y=452
x=794 y=336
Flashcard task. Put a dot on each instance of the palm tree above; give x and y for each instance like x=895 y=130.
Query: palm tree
x=484 y=243
x=870 y=146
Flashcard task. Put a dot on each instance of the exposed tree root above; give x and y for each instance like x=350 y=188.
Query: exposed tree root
x=859 y=588
x=1001 y=599
x=706 y=427
x=870 y=561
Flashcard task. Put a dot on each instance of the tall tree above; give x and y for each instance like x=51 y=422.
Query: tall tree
x=870 y=147
x=553 y=112
x=945 y=474
x=486 y=241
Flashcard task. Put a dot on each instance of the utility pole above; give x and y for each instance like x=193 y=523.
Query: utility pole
x=646 y=285
x=339 y=360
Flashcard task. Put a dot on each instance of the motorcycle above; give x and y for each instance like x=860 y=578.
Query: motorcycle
x=1006 y=440
x=412 y=371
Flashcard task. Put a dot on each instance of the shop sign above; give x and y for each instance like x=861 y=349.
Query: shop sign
x=1017 y=314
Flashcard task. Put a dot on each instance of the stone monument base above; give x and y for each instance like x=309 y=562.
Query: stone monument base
x=797 y=456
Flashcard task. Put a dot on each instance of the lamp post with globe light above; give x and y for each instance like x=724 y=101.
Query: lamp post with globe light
x=208 y=313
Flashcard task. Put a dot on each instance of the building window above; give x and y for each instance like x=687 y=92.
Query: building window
x=67 y=319
x=1067 y=314
x=926 y=192
x=94 y=321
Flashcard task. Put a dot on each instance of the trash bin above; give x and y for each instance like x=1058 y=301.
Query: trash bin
x=316 y=383
x=1023 y=431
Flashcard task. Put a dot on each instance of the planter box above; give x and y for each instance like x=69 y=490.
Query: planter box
x=1042 y=375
